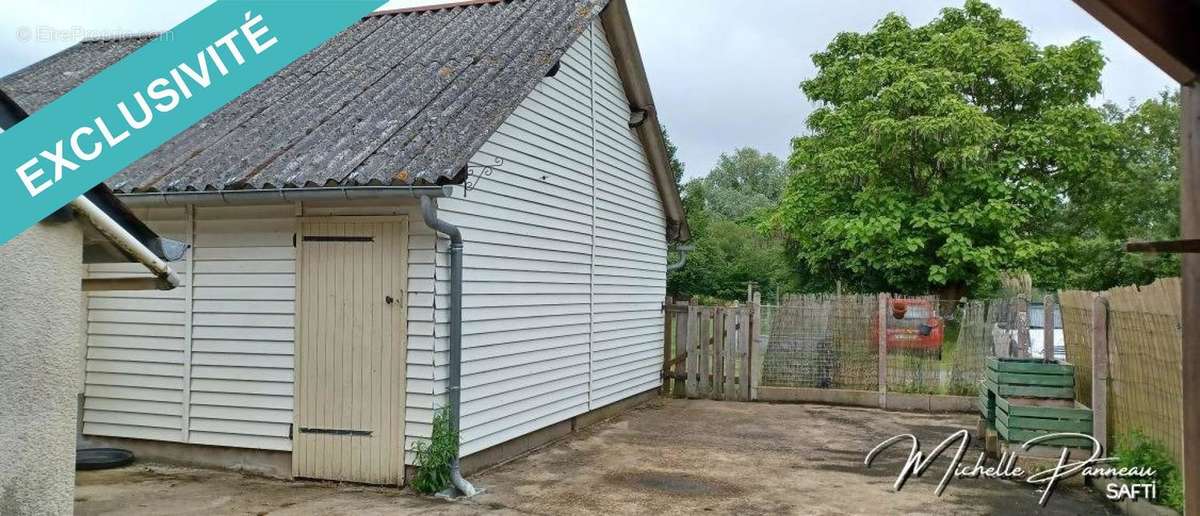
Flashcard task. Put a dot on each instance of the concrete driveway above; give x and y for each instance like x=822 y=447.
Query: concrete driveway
x=668 y=456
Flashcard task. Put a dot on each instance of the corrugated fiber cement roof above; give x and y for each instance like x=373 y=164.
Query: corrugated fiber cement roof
x=403 y=97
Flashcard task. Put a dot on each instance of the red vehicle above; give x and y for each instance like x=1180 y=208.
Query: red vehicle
x=914 y=324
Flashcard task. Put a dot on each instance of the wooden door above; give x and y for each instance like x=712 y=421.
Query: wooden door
x=350 y=350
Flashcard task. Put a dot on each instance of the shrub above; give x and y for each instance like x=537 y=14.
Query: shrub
x=433 y=456
x=1138 y=450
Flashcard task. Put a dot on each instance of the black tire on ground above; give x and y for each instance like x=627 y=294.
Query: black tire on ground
x=102 y=458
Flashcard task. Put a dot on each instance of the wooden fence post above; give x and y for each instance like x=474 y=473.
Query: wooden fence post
x=708 y=328
x=1022 y=325
x=1048 y=327
x=691 y=362
x=729 y=391
x=668 y=338
x=756 y=352
x=681 y=340
x=1100 y=370
x=884 y=302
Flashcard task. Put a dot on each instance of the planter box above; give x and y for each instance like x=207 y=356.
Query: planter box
x=987 y=403
x=1030 y=378
x=1027 y=397
x=1022 y=419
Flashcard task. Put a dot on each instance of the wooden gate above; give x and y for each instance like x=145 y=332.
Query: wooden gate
x=707 y=350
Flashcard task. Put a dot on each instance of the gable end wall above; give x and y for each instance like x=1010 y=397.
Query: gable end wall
x=564 y=263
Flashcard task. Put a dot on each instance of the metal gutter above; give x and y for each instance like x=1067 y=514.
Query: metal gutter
x=429 y=213
x=282 y=195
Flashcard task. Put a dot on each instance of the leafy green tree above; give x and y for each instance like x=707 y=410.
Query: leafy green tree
x=722 y=210
x=672 y=159
x=940 y=154
x=1139 y=200
x=742 y=185
x=727 y=257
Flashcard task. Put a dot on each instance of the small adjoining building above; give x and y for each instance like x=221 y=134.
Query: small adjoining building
x=42 y=327
x=311 y=334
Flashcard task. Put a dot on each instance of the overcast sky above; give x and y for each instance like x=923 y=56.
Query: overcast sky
x=725 y=73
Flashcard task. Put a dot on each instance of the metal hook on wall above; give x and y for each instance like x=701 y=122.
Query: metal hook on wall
x=477 y=171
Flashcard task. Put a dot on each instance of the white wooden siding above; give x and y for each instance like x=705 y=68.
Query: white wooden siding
x=243 y=327
x=217 y=371
x=564 y=264
x=630 y=263
x=238 y=390
x=134 y=371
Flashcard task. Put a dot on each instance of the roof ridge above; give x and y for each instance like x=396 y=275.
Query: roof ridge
x=434 y=7
x=389 y=12
x=123 y=37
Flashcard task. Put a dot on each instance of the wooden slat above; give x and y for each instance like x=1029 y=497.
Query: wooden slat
x=680 y=348
x=668 y=317
x=704 y=358
x=730 y=390
x=744 y=355
x=718 y=375
x=693 y=354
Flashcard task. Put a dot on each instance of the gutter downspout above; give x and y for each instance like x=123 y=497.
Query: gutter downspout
x=429 y=213
x=683 y=252
x=127 y=242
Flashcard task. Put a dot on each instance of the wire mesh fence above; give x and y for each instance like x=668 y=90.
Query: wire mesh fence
x=933 y=346
x=821 y=341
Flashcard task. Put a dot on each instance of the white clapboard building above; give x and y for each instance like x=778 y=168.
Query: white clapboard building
x=310 y=336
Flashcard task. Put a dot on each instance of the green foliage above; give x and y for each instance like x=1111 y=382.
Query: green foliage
x=744 y=185
x=723 y=209
x=1136 y=450
x=433 y=457
x=727 y=256
x=1138 y=200
x=943 y=154
x=676 y=165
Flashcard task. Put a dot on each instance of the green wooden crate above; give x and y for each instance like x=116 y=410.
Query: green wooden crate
x=987 y=405
x=1030 y=378
x=1021 y=419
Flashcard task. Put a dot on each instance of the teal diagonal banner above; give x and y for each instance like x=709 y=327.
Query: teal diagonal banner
x=145 y=99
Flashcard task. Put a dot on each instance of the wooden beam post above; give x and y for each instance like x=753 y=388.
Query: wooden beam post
x=1022 y=342
x=1100 y=370
x=692 y=355
x=756 y=352
x=884 y=308
x=679 y=389
x=668 y=338
x=1189 y=224
x=1048 y=327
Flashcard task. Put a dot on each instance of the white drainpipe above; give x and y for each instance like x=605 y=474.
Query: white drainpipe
x=126 y=241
